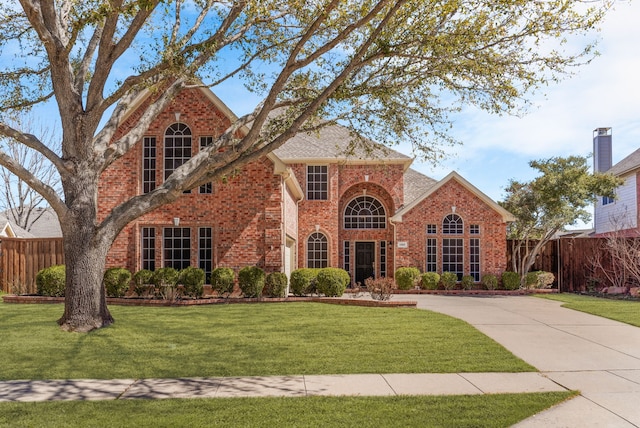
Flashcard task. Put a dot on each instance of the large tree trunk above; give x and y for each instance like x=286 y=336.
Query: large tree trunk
x=85 y=306
x=85 y=250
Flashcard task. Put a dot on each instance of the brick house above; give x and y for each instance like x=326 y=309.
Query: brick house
x=307 y=204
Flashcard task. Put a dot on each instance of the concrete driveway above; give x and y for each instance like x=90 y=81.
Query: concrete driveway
x=597 y=356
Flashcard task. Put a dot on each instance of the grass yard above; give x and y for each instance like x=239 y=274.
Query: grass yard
x=627 y=311
x=245 y=340
x=497 y=410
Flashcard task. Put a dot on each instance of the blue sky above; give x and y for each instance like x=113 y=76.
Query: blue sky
x=604 y=93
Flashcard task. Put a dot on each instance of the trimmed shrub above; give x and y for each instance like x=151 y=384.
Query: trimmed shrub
x=380 y=288
x=510 y=280
x=116 y=281
x=192 y=279
x=467 y=282
x=332 y=281
x=545 y=280
x=222 y=279
x=429 y=281
x=142 y=282
x=490 y=281
x=166 y=280
x=51 y=281
x=303 y=281
x=251 y=281
x=407 y=277
x=275 y=285
x=531 y=279
x=448 y=280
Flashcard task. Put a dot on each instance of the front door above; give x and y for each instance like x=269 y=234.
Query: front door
x=364 y=261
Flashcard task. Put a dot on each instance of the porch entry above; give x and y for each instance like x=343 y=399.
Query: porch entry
x=365 y=261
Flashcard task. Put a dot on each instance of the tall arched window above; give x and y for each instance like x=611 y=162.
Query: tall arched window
x=177 y=147
x=453 y=248
x=317 y=250
x=365 y=212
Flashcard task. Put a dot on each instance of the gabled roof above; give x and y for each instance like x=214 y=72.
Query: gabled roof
x=506 y=215
x=335 y=143
x=415 y=184
x=626 y=165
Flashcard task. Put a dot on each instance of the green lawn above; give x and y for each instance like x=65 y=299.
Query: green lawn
x=499 y=410
x=627 y=311
x=245 y=340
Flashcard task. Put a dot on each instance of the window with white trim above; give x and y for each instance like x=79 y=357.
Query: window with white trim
x=148 y=164
x=317 y=182
x=474 y=259
x=317 y=250
x=453 y=256
x=432 y=255
x=452 y=225
x=365 y=212
x=177 y=148
x=206 y=189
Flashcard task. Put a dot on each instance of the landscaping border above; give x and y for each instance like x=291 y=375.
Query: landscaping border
x=123 y=301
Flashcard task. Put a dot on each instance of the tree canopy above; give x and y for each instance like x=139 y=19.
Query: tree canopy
x=557 y=198
x=391 y=70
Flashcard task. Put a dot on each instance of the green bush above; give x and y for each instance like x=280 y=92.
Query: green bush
x=303 y=281
x=275 y=285
x=332 y=281
x=116 y=281
x=142 y=281
x=222 y=279
x=490 y=281
x=51 y=281
x=166 y=280
x=406 y=277
x=251 y=281
x=467 y=282
x=192 y=279
x=531 y=279
x=449 y=280
x=429 y=281
x=510 y=280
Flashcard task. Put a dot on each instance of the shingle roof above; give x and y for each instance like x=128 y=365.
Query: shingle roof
x=415 y=184
x=333 y=143
x=627 y=164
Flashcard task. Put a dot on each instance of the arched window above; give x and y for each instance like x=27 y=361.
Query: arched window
x=317 y=250
x=365 y=212
x=452 y=225
x=177 y=147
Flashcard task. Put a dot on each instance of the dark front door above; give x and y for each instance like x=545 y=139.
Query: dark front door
x=364 y=261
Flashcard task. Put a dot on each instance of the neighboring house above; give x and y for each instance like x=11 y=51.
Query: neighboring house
x=45 y=225
x=619 y=214
x=307 y=204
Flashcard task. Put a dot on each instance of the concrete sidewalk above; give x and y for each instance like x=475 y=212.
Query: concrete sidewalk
x=287 y=386
x=597 y=356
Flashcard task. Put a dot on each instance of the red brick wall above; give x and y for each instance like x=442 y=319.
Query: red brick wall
x=472 y=210
x=245 y=212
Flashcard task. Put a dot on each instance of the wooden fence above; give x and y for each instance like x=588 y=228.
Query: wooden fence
x=570 y=260
x=21 y=259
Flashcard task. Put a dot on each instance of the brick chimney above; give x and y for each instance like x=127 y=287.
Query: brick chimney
x=602 y=151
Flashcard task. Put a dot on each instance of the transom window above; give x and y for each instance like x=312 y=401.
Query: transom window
x=177 y=147
x=365 y=212
x=452 y=225
x=317 y=182
x=317 y=250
